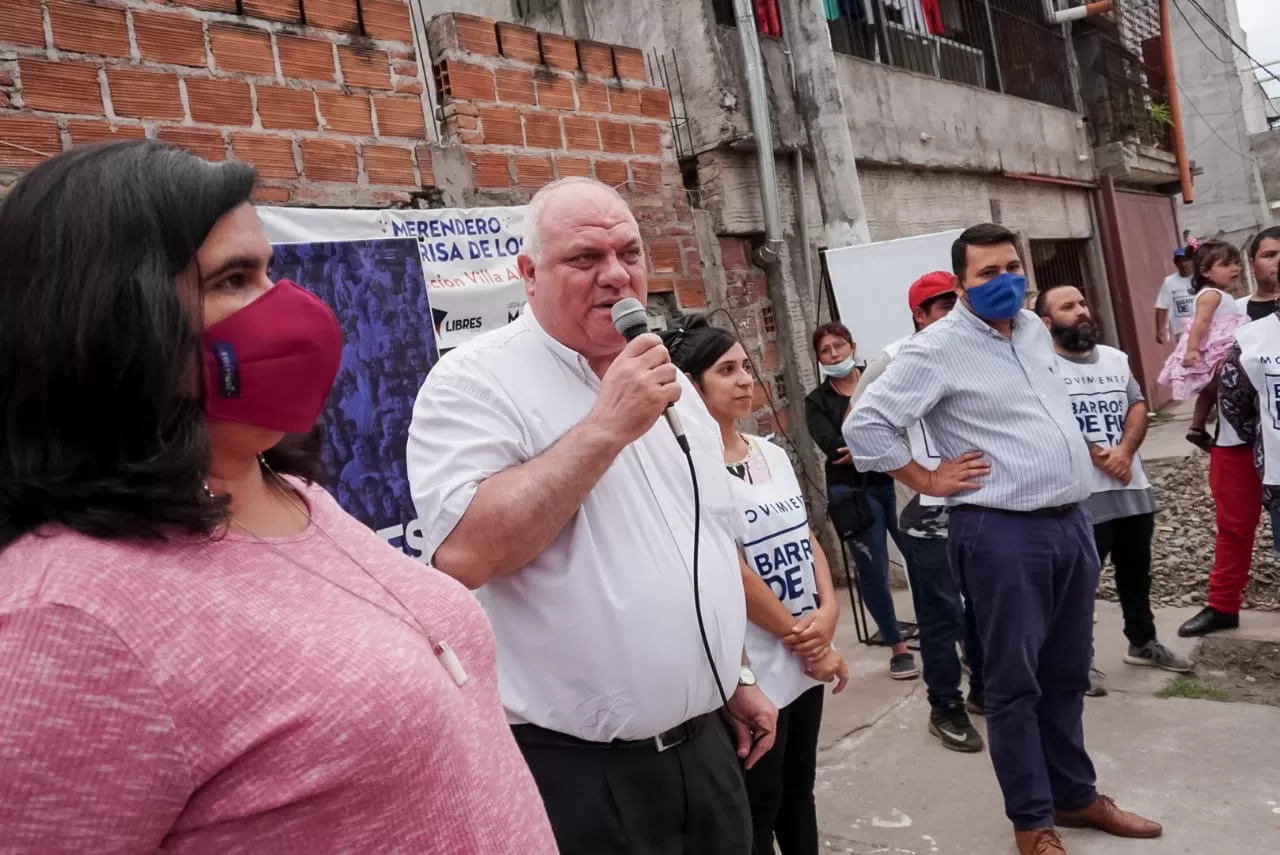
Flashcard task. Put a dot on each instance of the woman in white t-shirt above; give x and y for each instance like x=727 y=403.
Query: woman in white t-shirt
x=791 y=602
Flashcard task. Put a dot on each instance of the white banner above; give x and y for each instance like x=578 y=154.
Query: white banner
x=870 y=283
x=468 y=256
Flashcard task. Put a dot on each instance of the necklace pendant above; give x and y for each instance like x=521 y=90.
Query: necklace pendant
x=450 y=661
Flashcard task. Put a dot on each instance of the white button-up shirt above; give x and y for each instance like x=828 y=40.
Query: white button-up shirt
x=597 y=636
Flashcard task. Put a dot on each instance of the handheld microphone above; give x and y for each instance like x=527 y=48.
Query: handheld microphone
x=630 y=320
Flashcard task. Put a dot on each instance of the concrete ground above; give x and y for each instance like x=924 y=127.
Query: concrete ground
x=1210 y=772
x=1166 y=436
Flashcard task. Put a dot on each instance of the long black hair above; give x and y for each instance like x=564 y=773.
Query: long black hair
x=101 y=424
x=695 y=345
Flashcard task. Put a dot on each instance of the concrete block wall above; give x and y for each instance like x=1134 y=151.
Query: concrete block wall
x=325 y=99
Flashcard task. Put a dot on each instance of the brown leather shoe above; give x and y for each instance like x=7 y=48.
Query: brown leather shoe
x=1039 y=841
x=1105 y=816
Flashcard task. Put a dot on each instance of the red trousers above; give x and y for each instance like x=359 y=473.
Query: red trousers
x=1237 y=490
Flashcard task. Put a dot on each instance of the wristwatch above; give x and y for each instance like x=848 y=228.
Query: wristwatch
x=746 y=677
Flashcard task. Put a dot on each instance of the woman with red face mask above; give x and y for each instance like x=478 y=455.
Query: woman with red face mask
x=199 y=651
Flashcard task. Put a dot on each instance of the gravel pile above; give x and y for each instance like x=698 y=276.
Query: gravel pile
x=1182 y=550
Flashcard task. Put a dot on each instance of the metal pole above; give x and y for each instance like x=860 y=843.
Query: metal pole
x=802 y=217
x=991 y=37
x=753 y=66
x=1175 y=108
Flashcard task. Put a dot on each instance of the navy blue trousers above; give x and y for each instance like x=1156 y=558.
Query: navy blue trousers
x=1032 y=581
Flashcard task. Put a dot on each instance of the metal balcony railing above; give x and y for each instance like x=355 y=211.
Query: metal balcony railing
x=1122 y=77
x=1001 y=45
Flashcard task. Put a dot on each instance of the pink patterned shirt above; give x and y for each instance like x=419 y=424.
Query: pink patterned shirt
x=214 y=697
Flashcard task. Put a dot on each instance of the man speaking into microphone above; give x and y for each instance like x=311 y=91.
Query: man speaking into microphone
x=549 y=482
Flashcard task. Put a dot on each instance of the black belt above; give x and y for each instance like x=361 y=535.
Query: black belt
x=1054 y=512
x=677 y=735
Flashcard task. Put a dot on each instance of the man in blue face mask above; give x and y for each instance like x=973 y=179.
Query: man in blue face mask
x=1015 y=472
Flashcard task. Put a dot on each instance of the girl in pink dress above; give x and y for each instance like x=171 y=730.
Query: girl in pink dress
x=1192 y=368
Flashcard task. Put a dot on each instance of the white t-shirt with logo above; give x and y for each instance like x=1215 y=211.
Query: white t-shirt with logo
x=1260 y=358
x=1102 y=390
x=776 y=546
x=1175 y=297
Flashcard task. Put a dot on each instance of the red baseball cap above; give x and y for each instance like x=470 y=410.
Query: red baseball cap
x=929 y=286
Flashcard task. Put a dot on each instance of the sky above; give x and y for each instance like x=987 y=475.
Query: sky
x=1261 y=21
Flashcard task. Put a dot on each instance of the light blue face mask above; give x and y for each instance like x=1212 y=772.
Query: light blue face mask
x=840 y=370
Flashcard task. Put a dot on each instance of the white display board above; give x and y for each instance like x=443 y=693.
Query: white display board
x=468 y=256
x=870 y=282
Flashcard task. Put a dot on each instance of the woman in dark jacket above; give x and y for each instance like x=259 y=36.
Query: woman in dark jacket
x=825 y=411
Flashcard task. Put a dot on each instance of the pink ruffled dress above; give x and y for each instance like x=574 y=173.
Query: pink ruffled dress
x=1188 y=381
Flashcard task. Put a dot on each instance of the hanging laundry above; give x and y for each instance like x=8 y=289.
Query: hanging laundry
x=767 y=21
x=933 y=17
x=831 y=8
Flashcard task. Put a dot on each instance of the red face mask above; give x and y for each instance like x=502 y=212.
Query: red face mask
x=272 y=363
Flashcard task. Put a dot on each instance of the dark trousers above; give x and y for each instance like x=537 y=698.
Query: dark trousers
x=871 y=555
x=1032 y=580
x=972 y=643
x=780 y=785
x=939 y=615
x=1128 y=542
x=609 y=799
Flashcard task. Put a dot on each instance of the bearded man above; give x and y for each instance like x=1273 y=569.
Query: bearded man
x=1112 y=415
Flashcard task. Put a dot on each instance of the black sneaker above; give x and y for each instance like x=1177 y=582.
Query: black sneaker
x=954 y=730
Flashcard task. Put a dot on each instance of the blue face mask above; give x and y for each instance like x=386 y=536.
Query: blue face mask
x=839 y=370
x=998 y=299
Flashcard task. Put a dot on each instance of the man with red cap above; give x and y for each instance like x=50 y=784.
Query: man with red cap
x=923 y=523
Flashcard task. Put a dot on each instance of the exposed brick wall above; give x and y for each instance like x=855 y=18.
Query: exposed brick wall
x=330 y=110
x=746 y=297
x=529 y=107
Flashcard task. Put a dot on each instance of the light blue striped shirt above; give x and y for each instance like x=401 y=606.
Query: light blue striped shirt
x=978 y=391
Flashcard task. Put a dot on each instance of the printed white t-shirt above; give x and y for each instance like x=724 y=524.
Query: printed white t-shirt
x=1260 y=359
x=1175 y=297
x=777 y=546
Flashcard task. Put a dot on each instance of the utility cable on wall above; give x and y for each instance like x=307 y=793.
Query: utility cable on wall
x=1195 y=4
x=1200 y=38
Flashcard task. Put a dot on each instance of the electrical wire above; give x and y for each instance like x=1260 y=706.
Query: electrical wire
x=28 y=150
x=1200 y=38
x=1195 y=4
x=1213 y=130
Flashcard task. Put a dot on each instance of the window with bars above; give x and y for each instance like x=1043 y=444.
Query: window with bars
x=768 y=19
x=1063 y=262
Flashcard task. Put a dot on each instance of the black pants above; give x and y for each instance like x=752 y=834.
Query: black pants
x=1128 y=541
x=606 y=799
x=780 y=785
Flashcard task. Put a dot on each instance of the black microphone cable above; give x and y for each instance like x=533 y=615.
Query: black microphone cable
x=756 y=735
x=630 y=319
x=697 y=588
